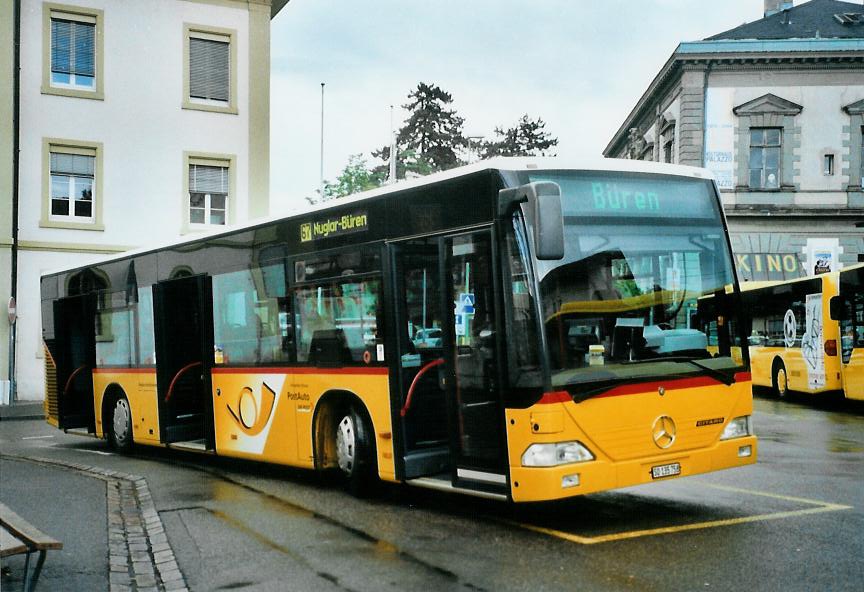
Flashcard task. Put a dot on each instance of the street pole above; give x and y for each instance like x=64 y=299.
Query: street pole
x=392 y=177
x=321 y=169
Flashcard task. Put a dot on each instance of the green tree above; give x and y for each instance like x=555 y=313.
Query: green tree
x=527 y=138
x=408 y=164
x=432 y=136
x=354 y=178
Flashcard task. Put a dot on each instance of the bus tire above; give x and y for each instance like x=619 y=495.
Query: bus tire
x=779 y=379
x=355 y=450
x=120 y=425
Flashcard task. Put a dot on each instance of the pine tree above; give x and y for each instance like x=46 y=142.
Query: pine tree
x=528 y=138
x=431 y=137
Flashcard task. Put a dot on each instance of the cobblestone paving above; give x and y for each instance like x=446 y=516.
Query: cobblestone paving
x=140 y=557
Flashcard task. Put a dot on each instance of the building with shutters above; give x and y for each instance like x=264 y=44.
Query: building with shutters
x=134 y=122
x=775 y=108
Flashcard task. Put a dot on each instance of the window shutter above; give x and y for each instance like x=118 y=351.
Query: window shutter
x=84 y=36
x=61 y=46
x=208 y=179
x=208 y=69
x=73 y=47
x=72 y=164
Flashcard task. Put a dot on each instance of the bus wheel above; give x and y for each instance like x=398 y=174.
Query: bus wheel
x=355 y=451
x=120 y=433
x=780 y=381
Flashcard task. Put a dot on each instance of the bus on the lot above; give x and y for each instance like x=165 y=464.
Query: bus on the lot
x=807 y=335
x=514 y=329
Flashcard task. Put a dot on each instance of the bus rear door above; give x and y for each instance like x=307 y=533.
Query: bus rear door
x=75 y=356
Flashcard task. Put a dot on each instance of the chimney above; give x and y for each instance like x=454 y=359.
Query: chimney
x=775 y=6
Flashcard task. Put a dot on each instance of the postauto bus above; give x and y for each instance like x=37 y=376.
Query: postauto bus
x=807 y=335
x=566 y=303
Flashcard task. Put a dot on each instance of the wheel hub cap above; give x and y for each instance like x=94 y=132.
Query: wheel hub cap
x=121 y=421
x=345 y=444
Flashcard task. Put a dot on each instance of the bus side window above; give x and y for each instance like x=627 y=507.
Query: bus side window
x=249 y=311
x=523 y=342
x=337 y=321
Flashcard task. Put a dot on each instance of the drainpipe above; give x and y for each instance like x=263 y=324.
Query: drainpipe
x=16 y=146
x=705 y=112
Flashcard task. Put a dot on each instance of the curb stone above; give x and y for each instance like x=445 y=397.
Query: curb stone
x=135 y=532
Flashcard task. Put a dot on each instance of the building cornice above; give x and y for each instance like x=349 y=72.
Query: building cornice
x=273 y=5
x=747 y=54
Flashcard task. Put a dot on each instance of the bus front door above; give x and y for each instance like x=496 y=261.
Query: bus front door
x=183 y=330
x=451 y=417
x=471 y=357
x=75 y=357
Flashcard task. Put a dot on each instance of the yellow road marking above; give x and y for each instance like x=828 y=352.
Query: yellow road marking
x=819 y=508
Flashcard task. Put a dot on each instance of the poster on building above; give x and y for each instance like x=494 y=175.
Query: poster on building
x=811 y=342
x=822 y=255
x=720 y=137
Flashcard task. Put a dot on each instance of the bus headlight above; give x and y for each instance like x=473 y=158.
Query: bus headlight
x=556 y=453
x=737 y=428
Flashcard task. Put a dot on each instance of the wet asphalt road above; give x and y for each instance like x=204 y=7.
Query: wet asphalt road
x=794 y=521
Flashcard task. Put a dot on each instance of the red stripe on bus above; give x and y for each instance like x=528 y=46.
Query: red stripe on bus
x=375 y=370
x=647 y=387
x=124 y=370
x=556 y=397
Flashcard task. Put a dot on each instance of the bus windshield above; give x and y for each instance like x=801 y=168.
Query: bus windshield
x=644 y=287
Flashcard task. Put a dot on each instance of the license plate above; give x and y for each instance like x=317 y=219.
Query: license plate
x=669 y=470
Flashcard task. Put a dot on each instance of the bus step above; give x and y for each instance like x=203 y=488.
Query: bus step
x=444 y=484
x=196 y=445
x=80 y=432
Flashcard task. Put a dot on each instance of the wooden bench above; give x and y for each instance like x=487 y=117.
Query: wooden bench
x=18 y=536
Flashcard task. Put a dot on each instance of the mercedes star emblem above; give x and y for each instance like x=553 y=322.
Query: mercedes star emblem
x=663 y=431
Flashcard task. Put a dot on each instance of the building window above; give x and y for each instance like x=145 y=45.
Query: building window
x=668 y=135
x=72 y=185
x=72 y=177
x=208 y=194
x=828 y=165
x=765 y=158
x=72 y=60
x=210 y=69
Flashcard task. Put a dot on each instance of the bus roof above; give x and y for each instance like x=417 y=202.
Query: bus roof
x=510 y=164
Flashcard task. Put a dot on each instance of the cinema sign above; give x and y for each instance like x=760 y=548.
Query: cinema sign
x=769 y=266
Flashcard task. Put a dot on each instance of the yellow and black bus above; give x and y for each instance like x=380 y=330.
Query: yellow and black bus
x=807 y=335
x=515 y=329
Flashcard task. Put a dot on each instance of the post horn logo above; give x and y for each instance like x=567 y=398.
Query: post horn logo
x=663 y=431
x=253 y=413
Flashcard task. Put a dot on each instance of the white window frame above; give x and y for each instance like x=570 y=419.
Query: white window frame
x=89 y=16
x=228 y=161
x=78 y=148
x=221 y=35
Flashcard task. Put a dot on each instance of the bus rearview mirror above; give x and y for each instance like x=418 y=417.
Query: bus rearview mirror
x=836 y=308
x=543 y=213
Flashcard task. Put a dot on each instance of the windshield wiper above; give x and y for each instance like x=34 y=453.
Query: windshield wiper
x=713 y=372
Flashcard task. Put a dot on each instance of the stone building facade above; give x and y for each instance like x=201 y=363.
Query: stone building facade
x=130 y=123
x=774 y=109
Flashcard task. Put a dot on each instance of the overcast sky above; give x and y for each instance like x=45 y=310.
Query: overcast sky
x=580 y=65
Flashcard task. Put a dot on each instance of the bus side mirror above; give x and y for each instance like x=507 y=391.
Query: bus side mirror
x=836 y=309
x=543 y=212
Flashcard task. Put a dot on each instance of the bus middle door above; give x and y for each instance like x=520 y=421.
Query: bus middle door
x=183 y=328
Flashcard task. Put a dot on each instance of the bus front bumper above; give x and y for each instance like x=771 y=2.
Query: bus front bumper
x=531 y=484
